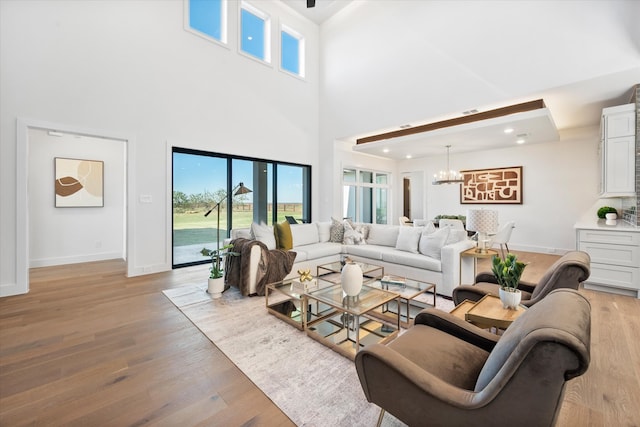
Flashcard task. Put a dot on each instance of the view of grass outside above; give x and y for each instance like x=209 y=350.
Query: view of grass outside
x=191 y=227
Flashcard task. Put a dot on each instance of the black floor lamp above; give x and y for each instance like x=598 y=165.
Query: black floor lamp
x=237 y=190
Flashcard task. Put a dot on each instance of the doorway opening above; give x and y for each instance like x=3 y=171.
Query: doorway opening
x=25 y=177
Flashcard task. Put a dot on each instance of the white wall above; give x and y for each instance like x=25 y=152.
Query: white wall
x=130 y=68
x=70 y=235
x=560 y=186
x=560 y=183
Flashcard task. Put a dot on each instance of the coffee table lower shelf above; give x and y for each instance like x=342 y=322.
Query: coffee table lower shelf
x=337 y=331
x=346 y=324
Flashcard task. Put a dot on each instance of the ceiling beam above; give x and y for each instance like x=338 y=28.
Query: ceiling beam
x=491 y=114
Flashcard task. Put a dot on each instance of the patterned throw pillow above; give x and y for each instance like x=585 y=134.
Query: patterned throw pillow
x=353 y=236
x=336 y=232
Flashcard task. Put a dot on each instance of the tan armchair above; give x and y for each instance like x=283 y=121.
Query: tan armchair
x=568 y=271
x=445 y=371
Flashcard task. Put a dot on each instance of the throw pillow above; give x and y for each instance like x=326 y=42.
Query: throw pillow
x=324 y=231
x=361 y=228
x=305 y=234
x=352 y=236
x=263 y=233
x=283 y=235
x=431 y=243
x=336 y=232
x=383 y=235
x=455 y=236
x=408 y=238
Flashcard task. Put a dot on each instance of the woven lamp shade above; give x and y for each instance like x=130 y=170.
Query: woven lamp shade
x=482 y=220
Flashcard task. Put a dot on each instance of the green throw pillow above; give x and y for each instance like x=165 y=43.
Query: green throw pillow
x=282 y=233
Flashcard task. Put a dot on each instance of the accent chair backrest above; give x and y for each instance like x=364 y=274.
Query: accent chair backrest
x=568 y=271
x=563 y=318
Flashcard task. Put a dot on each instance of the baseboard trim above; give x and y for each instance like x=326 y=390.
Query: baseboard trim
x=75 y=259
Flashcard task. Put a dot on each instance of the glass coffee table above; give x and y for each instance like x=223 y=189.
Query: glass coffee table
x=284 y=300
x=331 y=271
x=346 y=324
x=414 y=294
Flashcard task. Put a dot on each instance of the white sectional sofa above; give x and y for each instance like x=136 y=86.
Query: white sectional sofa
x=419 y=253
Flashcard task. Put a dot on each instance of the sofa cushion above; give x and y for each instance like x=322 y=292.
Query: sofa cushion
x=282 y=233
x=324 y=231
x=373 y=252
x=383 y=235
x=431 y=243
x=264 y=234
x=318 y=250
x=408 y=238
x=336 y=231
x=304 y=234
x=412 y=260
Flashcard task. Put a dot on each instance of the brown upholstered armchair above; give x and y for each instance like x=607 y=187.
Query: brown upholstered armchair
x=568 y=271
x=445 y=371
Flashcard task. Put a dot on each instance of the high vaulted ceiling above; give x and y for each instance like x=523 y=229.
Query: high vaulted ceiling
x=388 y=64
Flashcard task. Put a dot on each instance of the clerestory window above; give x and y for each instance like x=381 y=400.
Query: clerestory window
x=255 y=27
x=292 y=51
x=207 y=18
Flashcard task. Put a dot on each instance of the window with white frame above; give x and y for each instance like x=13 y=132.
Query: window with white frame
x=207 y=18
x=255 y=27
x=365 y=195
x=292 y=48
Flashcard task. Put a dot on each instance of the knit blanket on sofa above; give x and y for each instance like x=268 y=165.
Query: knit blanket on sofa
x=274 y=265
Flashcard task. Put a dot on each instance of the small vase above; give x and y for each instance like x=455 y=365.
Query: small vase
x=510 y=299
x=216 y=287
x=611 y=215
x=351 y=279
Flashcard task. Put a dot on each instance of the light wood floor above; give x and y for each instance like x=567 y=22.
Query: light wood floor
x=88 y=346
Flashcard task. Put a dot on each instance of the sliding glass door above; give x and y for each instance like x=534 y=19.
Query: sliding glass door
x=213 y=193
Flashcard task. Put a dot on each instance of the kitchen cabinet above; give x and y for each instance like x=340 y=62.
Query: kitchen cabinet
x=615 y=260
x=617 y=151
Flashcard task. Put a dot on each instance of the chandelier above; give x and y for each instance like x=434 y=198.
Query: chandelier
x=447 y=176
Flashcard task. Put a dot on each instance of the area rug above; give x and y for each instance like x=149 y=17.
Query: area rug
x=309 y=382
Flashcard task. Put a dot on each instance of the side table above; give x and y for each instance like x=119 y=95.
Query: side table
x=487 y=313
x=471 y=253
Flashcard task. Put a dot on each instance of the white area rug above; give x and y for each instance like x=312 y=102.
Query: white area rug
x=309 y=382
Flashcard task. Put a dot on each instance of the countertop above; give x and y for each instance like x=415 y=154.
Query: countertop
x=601 y=224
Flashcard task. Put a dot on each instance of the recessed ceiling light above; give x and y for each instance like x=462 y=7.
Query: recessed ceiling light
x=508 y=130
x=520 y=141
x=408 y=156
x=385 y=150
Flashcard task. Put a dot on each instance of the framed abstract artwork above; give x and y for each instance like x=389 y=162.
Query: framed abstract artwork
x=79 y=183
x=492 y=186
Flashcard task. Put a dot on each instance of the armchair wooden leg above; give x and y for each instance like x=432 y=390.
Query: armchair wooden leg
x=380 y=418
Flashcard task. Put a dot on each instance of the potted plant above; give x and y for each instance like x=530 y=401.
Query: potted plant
x=216 y=278
x=508 y=273
x=603 y=211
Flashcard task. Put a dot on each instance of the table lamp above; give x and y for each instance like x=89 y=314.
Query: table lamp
x=482 y=221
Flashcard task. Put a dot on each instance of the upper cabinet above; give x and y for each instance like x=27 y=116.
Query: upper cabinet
x=617 y=151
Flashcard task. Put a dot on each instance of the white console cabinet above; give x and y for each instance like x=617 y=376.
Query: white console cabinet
x=617 y=151
x=615 y=260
